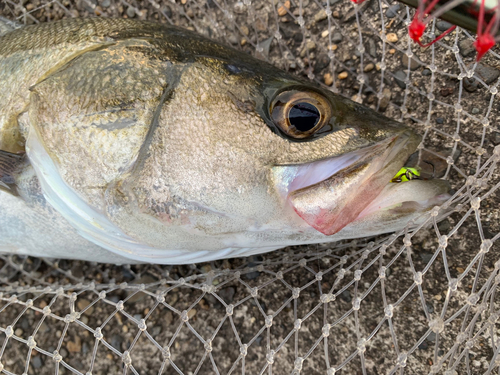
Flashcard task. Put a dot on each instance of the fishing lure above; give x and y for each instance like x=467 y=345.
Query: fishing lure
x=406 y=174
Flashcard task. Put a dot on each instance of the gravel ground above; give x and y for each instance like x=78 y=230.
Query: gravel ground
x=327 y=50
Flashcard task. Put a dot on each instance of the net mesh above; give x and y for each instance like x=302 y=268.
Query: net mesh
x=424 y=300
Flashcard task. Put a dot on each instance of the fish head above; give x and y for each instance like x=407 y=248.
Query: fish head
x=255 y=157
x=236 y=157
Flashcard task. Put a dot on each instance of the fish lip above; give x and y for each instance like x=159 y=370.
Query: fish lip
x=382 y=159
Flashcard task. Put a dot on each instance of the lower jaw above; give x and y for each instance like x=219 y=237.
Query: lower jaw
x=397 y=203
x=378 y=220
x=409 y=198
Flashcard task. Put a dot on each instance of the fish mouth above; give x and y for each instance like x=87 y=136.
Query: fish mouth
x=330 y=194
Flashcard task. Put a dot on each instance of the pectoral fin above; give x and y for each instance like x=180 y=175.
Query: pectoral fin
x=10 y=164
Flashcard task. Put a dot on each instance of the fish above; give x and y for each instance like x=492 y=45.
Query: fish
x=126 y=141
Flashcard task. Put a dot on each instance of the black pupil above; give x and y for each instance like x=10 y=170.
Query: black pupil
x=303 y=116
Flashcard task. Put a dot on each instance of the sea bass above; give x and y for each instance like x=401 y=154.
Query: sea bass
x=124 y=141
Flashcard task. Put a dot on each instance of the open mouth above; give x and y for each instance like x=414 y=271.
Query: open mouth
x=330 y=194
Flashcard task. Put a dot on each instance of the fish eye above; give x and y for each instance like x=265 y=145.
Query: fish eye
x=300 y=114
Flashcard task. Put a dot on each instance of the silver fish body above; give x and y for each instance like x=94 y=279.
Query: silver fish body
x=140 y=142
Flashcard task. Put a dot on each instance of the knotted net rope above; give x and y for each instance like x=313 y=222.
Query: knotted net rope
x=421 y=301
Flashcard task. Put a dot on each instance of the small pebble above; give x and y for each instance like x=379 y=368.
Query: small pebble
x=346 y=296
x=168 y=318
x=372 y=48
x=116 y=342
x=386 y=99
x=130 y=12
x=446 y=91
x=475 y=111
x=243 y=42
x=37 y=362
x=392 y=51
x=336 y=37
x=204 y=305
x=496 y=138
x=191 y=313
x=239 y=7
x=400 y=78
x=282 y=10
x=308 y=48
x=322 y=61
x=470 y=84
x=356 y=98
x=342 y=75
x=369 y=67
x=426 y=72
x=439 y=120
x=460 y=270
x=444 y=226
x=426 y=257
x=430 y=308
x=487 y=73
x=423 y=345
x=18 y=332
x=466 y=47
x=431 y=337
x=261 y=24
x=25 y=323
x=124 y=328
x=392 y=11
x=392 y=38
x=320 y=16
x=233 y=39
x=44 y=327
x=251 y=275
x=75 y=346
x=333 y=47
x=227 y=294
x=310 y=45
x=245 y=30
x=443 y=25
x=167 y=11
x=328 y=79
x=325 y=33
x=409 y=63
x=336 y=14
x=105 y=3
x=82 y=303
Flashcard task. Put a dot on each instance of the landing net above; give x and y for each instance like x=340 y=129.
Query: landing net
x=422 y=301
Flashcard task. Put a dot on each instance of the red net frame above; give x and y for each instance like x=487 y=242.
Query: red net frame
x=486 y=30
